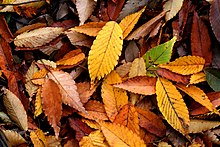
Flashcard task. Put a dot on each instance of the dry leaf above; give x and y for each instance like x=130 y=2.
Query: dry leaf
x=140 y=85
x=128 y=117
x=197 y=78
x=85 y=9
x=38 y=103
x=52 y=104
x=131 y=51
x=38 y=77
x=197 y=126
x=84 y=91
x=113 y=98
x=90 y=28
x=172 y=105
x=173 y=7
x=127 y=24
x=37 y=37
x=138 y=68
x=105 y=51
x=52 y=141
x=213 y=135
x=68 y=89
x=123 y=69
x=95 y=139
x=185 y=65
x=15 y=109
x=38 y=138
x=118 y=135
x=14 y=138
x=91 y=123
x=47 y=63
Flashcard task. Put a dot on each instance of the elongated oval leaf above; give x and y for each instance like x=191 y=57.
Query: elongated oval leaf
x=197 y=126
x=105 y=51
x=37 y=37
x=15 y=109
x=173 y=7
x=38 y=138
x=171 y=105
x=185 y=65
x=213 y=78
x=115 y=137
x=160 y=54
x=68 y=89
x=14 y=138
x=138 y=68
x=128 y=23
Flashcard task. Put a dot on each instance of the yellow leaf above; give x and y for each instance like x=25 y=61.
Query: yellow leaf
x=185 y=65
x=197 y=78
x=138 y=68
x=37 y=37
x=197 y=126
x=38 y=77
x=113 y=98
x=91 y=123
x=15 y=109
x=105 y=51
x=95 y=139
x=14 y=138
x=47 y=63
x=120 y=136
x=198 y=95
x=171 y=105
x=38 y=103
x=38 y=138
x=72 y=58
x=90 y=28
x=128 y=23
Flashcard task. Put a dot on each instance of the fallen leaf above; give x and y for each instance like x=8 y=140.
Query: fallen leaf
x=114 y=9
x=84 y=91
x=15 y=109
x=37 y=37
x=14 y=138
x=141 y=85
x=52 y=104
x=197 y=78
x=38 y=138
x=173 y=7
x=185 y=65
x=38 y=77
x=131 y=51
x=213 y=78
x=115 y=137
x=171 y=105
x=4 y=30
x=197 y=126
x=213 y=135
x=138 y=68
x=123 y=69
x=38 y=103
x=91 y=123
x=104 y=55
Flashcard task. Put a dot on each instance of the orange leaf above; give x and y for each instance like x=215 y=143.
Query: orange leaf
x=197 y=78
x=151 y=122
x=52 y=104
x=118 y=135
x=128 y=117
x=72 y=58
x=38 y=77
x=84 y=91
x=140 y=85
x=95 y=110
x=38 y=138
x=113 y=98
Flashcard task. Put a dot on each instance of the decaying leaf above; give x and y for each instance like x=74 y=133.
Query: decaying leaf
x=113 y=98
x=172 y=105
x=128 y=117
x=173 y=7
x=197 y=126
x=14 y=138
x=68 y=89
x=141 y=85
x=128 y=23
x=185 y=65
x=197 y=78
x=15 y=109
x=85 y=9
x=37 y=37
x=115 y=137
x=105 y=51
x=138 y=68
x=38 y=138
x=52 y=104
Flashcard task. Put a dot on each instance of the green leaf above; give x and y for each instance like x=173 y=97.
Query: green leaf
x=159 y=54
x=213 y=78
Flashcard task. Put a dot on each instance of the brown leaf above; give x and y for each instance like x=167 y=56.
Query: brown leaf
x=128 y=117
x=151 y=122
x=123 y=69
x=138 y=68
x=140 y=85
x=14 y=138
x=84 y=91
x=6 y=59
x=52 y=104
x=95 y=110
x=214 y=18
x=30 y=27
x=81 y=128
x=173 y=76
x=4 y=30
x=131 y=52
x=200 y=39
x=197 y=126
x=114 y=9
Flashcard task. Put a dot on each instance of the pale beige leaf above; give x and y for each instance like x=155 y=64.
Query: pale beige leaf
x=38 y=103
x=15 y=109
x=68 y=89
x=120 y=136
x=85 y=9
x=47 y=63
x=173 y=7
x=95 y=139
x=113 y=98
x=197 y=125
x=138 y=68
x=14 y=138
x=197 y=78
x=37 y=37
x=30 y=87
x=124 y=69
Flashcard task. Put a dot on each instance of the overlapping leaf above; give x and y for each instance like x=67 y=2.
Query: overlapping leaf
x=38 y=138
x=105 y=51
x=138 y=68
x=213 y=78
x=171 y=105
x=14 y=138
x=173 y=7
x=197 y=78
x=38 y=103
x=197 y=126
